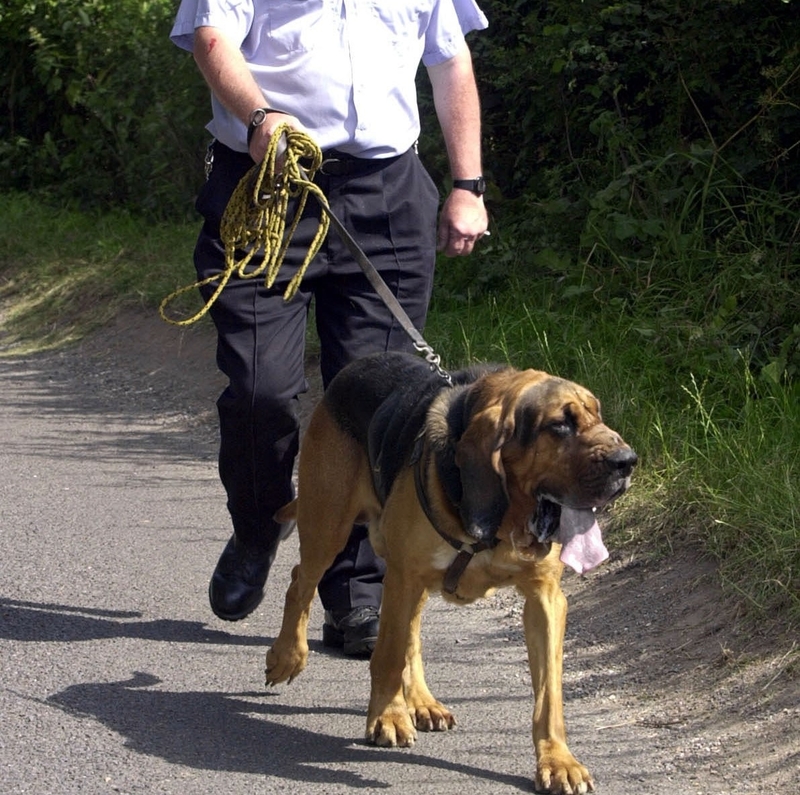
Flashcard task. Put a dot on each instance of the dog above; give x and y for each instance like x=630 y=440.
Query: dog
x=488 y=481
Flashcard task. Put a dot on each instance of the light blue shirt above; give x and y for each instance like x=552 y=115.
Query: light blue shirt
x=345 y=68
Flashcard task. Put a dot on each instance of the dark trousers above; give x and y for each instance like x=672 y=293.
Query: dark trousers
x=390 y=208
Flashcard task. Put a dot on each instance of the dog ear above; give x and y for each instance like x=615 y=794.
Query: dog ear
x=527 y=416
x=483 y=481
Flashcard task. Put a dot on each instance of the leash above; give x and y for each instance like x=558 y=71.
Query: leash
x=256 y=220
x=386 y=295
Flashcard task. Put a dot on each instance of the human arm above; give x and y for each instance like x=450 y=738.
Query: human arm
x=463 y=218
x=226 y=72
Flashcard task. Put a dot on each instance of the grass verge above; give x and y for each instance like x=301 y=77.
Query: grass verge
x=719 y=451
x=64 y=273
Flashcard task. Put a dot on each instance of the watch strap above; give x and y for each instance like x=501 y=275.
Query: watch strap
x=476 y=186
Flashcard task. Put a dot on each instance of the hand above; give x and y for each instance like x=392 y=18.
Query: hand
x=263 y=133
x=462 y=222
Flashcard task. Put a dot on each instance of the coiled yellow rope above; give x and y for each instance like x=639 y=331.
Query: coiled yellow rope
x=255 y=219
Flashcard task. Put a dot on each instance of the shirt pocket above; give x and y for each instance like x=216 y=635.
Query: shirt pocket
x=294 y=25
x=403 y=20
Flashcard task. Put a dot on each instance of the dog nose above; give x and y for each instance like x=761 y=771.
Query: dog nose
x=622 y=460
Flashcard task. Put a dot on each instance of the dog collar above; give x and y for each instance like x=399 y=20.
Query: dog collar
x=465 y=550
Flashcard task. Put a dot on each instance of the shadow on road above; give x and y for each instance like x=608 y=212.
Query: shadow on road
x=240 y=733
x=43 y=622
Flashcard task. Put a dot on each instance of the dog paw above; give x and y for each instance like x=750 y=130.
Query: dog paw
x=283 y=666
x=392 y=728
x=559 y=773
x=433 y=717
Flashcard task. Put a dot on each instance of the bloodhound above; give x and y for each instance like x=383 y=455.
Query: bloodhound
x=487 y=482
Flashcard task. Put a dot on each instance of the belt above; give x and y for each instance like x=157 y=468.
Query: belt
x=341 y=164
x=334 y=162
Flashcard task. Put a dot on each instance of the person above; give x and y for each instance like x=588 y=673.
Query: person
x=343 y=72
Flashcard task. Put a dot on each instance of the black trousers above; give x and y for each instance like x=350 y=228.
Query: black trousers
x=390 y=207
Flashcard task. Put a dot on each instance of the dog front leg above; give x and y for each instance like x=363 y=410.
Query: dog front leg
x=289 y=653
x=544 y=616
x=400 y=700
x=426 y=712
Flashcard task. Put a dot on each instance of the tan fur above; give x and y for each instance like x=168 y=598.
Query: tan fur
x=335 y=489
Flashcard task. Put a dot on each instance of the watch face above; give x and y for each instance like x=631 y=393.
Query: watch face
x=258 y=116
x=477 y=185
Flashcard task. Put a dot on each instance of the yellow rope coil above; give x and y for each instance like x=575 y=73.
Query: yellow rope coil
x=255 y=219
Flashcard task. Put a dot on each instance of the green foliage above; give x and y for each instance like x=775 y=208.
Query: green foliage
x=583 y=86
x=103 y=110
x=702 y=254
x=644 y=161
x=743 y=460
x=647 y=155
x=64 y=272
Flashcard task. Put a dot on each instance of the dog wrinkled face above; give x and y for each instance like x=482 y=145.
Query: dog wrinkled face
x=533 y=437
x=562 y=449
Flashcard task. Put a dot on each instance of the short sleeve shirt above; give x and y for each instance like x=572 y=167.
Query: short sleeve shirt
x=345 y=68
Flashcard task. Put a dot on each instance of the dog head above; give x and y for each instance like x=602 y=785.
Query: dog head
x=530 y=445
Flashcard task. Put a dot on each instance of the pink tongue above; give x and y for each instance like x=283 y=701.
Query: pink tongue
x=582 y=546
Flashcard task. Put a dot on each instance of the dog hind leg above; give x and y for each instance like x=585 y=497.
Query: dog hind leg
x=333 y=490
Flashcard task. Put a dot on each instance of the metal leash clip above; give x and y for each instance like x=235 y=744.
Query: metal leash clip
x=434 y=360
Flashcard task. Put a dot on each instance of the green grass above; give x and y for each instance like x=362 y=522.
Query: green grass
x=718 y=438
x=719 y=449
x=64 y=273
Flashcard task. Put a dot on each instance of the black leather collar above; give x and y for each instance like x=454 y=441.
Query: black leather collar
x=466 y=551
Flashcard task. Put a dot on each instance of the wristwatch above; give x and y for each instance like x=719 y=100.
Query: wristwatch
x=477 y=185
x=257 y=118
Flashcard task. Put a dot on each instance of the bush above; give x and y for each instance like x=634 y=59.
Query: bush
x=103 y=110
x=647 y=155
x=643 y=154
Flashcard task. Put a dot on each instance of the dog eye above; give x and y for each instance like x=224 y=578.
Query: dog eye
x=561 y=427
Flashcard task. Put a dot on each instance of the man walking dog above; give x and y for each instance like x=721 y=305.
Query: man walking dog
x=342 y=71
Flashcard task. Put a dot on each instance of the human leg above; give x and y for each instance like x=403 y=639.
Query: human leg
x=261 y=352
x=260 y=347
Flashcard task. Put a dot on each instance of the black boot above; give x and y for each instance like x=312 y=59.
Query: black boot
x=237 y=585
x=354 y=631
